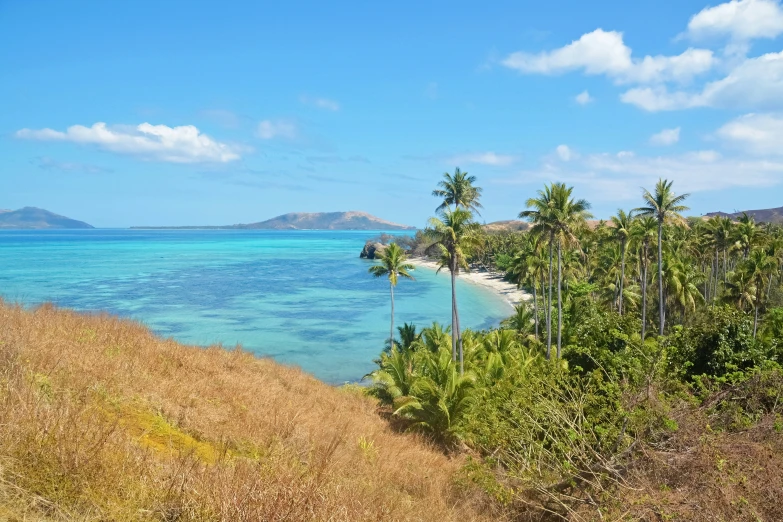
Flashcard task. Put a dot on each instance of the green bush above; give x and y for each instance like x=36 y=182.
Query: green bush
x=719 y=343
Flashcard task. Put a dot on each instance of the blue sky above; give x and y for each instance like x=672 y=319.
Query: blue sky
x=150 y=113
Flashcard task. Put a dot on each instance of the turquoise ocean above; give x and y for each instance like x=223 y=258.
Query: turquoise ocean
x=301 y=297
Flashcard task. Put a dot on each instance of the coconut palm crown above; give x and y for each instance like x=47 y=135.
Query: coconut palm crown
x=458 y=190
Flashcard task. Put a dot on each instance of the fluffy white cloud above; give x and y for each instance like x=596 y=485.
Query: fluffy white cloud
x=604 y=52
x=321 y=103
x=183 y=144
x=583 y=98
x=739 y=19
x=565 y=153
x=666 y=137
x=483 y=158
x=756 y=83
x=269 y=129
x=755 y=133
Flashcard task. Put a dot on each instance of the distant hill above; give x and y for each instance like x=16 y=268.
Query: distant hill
x=311 y=221
x=766 y=215
x=509 y=225
x=37 y=218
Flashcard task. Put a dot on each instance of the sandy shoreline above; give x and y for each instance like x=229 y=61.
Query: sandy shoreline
x=494 y=282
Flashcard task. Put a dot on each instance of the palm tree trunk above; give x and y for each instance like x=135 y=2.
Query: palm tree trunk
x=453 y=315
x=559 y=298
x=644 y=291
x=459 y=338
x=769 y=287
x=660 y=278
x=622 y=273
x=535 y=304
x=391 y=331
x=549 y=304
x=758 y=305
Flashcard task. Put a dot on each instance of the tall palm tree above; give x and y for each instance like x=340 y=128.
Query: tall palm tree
x=665 y=207
x=622 y=229
x=748 y=234
x=757 y=267
x=453 y=233
x=394 y=265
x=541 y=213
x=458 y=190
x=570 y=215
x=525 y=268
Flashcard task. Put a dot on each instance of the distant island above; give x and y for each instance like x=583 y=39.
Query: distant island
x=351 y=220
x=765 y=215
x=32 y=218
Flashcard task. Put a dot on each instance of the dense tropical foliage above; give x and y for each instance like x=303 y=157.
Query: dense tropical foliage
x=552 y=426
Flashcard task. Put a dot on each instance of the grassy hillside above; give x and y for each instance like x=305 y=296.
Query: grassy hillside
x=101 y=420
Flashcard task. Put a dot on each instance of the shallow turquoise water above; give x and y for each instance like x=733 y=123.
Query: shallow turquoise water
x=302 y=297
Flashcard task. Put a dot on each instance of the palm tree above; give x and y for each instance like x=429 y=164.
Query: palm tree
x=540 y=212
x=408 y=335
x=525 y=268
x=665 y=207
x=521 y=321
x=748 y=234
x=568 y=217
x=458 y=190
x=622 y=229
x=453 y=233
x=757 y=267
x=393 y=264
x=681 y=279
x=438 y=399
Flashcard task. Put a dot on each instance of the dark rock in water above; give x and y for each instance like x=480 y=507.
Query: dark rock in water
x=371 y=249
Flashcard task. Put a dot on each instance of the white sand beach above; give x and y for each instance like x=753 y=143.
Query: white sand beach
x=493 y=281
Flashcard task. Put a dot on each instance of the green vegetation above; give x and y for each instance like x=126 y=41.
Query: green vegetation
x=393 y=266
x=568 y=433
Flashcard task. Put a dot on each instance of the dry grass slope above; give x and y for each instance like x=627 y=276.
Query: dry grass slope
x=101 y=420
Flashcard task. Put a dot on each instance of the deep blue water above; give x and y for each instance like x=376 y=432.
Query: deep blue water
x=302 y=297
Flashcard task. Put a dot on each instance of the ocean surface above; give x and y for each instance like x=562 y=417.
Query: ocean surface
x=301 y=297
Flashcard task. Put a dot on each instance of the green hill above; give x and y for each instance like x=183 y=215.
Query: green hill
x=37 y=218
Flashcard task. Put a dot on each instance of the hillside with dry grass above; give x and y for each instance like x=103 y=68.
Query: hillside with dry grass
x=101 y=420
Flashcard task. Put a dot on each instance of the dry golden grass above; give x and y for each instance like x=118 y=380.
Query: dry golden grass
x=101 y=420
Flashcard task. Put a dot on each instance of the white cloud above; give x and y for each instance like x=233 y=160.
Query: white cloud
x=755 y=133
x=484 y=158
x=666 y=137
x=183 y=144
x=583 y=98
x=565 y=153
x=321 y=103
x=756 y=83
x=617 y=177
x=604 y=52
x=739 y=19
x=269 y=129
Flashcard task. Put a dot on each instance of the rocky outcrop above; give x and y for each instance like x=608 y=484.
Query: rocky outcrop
x=372 y=249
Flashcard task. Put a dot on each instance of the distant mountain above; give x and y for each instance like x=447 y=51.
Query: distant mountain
x=37 y=218
x=311 y=221
x=766 y=215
